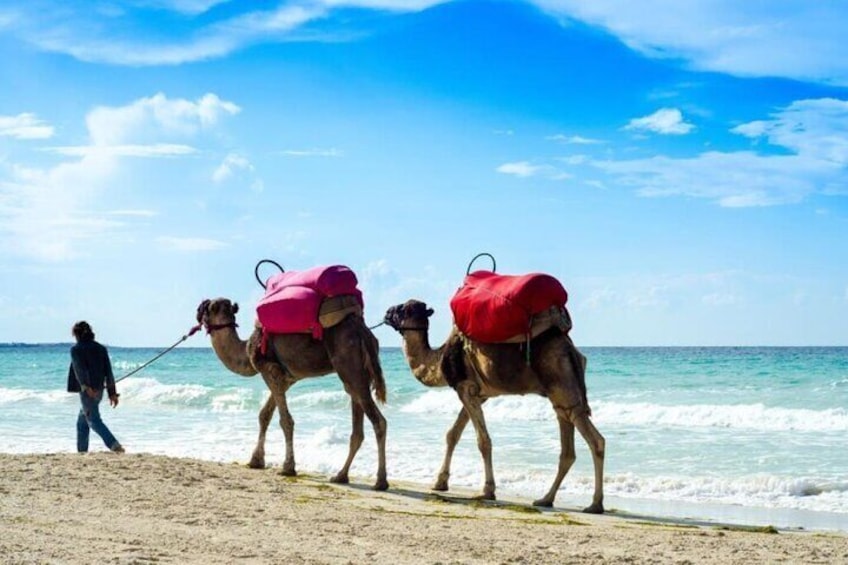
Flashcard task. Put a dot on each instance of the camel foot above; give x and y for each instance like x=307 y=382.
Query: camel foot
x=485 y=496
x=441 y=486
x=288 y=472
x=340 y=479
x=381 y=484
x=594 y=508
x=256 y=463
x=543 y=503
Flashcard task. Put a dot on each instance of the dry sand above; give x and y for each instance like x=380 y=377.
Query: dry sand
x=102 y=507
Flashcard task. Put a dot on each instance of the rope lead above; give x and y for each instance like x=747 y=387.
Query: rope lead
x=190 y=333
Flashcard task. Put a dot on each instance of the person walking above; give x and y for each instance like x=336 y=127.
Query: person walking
x=90 y=372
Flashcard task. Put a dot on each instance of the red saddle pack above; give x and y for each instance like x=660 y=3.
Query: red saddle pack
x=492 y=308
x=309 y=301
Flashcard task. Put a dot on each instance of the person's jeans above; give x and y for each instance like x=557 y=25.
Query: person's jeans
x=89 y=419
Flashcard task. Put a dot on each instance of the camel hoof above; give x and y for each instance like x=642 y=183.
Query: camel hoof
x=381 y=485
x=441 y=486
x=288 y=472
x=543 y=503
x=597 y=508
x=256 y=464
x=485 y=496
x=339 y=479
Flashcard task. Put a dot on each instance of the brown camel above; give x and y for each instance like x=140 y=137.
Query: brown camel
x=479 y=371
x=348 y=349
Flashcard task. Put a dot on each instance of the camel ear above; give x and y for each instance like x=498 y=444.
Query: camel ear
x=235 y=307
x=429 y=312
x=201 y=310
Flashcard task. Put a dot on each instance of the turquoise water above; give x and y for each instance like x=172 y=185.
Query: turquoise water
x=754 y=434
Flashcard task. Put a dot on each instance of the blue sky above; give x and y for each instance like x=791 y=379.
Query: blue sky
x=680 y=166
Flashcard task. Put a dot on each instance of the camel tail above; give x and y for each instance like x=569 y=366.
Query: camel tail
x=371 y=358
x=578 y=363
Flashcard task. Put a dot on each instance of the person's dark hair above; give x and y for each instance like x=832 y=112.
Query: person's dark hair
x=82 y=331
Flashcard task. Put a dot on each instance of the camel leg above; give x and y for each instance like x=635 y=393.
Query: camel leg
x=278 y=381
x=566 y=459
x=452 y=439
x=597 y=445
x=356 y=436
x=287 y=423
x=257 y=460
x=351 y=369
x=365 y=406
x=378 y=422
x=468 y=394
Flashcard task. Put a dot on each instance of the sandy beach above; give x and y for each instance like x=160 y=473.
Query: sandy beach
x=139 y=508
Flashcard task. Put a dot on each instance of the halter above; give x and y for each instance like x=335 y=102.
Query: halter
x=421 y=329
x=213 y=327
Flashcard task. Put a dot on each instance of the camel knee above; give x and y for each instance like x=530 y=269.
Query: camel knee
x=484 y=443
x=378 y=421
x=453 y=436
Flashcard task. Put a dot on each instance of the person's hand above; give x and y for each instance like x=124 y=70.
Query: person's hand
x=113 y=400
x=91 y=392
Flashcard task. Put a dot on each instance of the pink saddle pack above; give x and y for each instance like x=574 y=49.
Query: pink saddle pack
x=293 y=299
x=492 y=308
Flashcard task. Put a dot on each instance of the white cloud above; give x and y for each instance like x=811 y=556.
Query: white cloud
x=153 y=150
x=83 y=35
x=520 y=169
x=573 y=139
x=814 y=131
x=185 y=244
x=156 y=115
x=814 y=128
x=734 y=180
x=230 y=163
x=24 y=126
x=133 y=213
x=46 y=213
x=784 y=38
x=666 y=121
x=192 y=7
x=332 y=152
x=720 y=299
x=574 y=159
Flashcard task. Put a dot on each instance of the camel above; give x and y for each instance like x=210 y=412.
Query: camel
x=348 y=349
x=555 y=369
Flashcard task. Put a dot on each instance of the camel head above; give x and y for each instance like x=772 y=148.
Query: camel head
x=217 y=313
x=411 y=315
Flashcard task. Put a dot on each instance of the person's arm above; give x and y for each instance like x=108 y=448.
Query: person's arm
x=79 y=369
x=110 y=380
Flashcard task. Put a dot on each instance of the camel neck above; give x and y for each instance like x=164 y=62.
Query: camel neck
x=424 y=361
x=232 y=351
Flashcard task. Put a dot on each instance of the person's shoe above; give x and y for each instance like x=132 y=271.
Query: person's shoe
x=118 y=448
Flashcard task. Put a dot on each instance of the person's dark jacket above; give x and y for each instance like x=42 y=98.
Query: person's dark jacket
x=90 y=367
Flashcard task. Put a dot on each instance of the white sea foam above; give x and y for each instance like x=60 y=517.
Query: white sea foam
x=332 y=399
x=740 y=416
x=12 y=395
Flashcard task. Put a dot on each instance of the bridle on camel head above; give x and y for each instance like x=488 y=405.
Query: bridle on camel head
x=396 y=316
x=203 y=318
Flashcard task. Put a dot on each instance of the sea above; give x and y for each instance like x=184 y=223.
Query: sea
x=715 y=435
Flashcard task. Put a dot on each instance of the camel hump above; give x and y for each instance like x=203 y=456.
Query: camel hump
x=452 y=363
